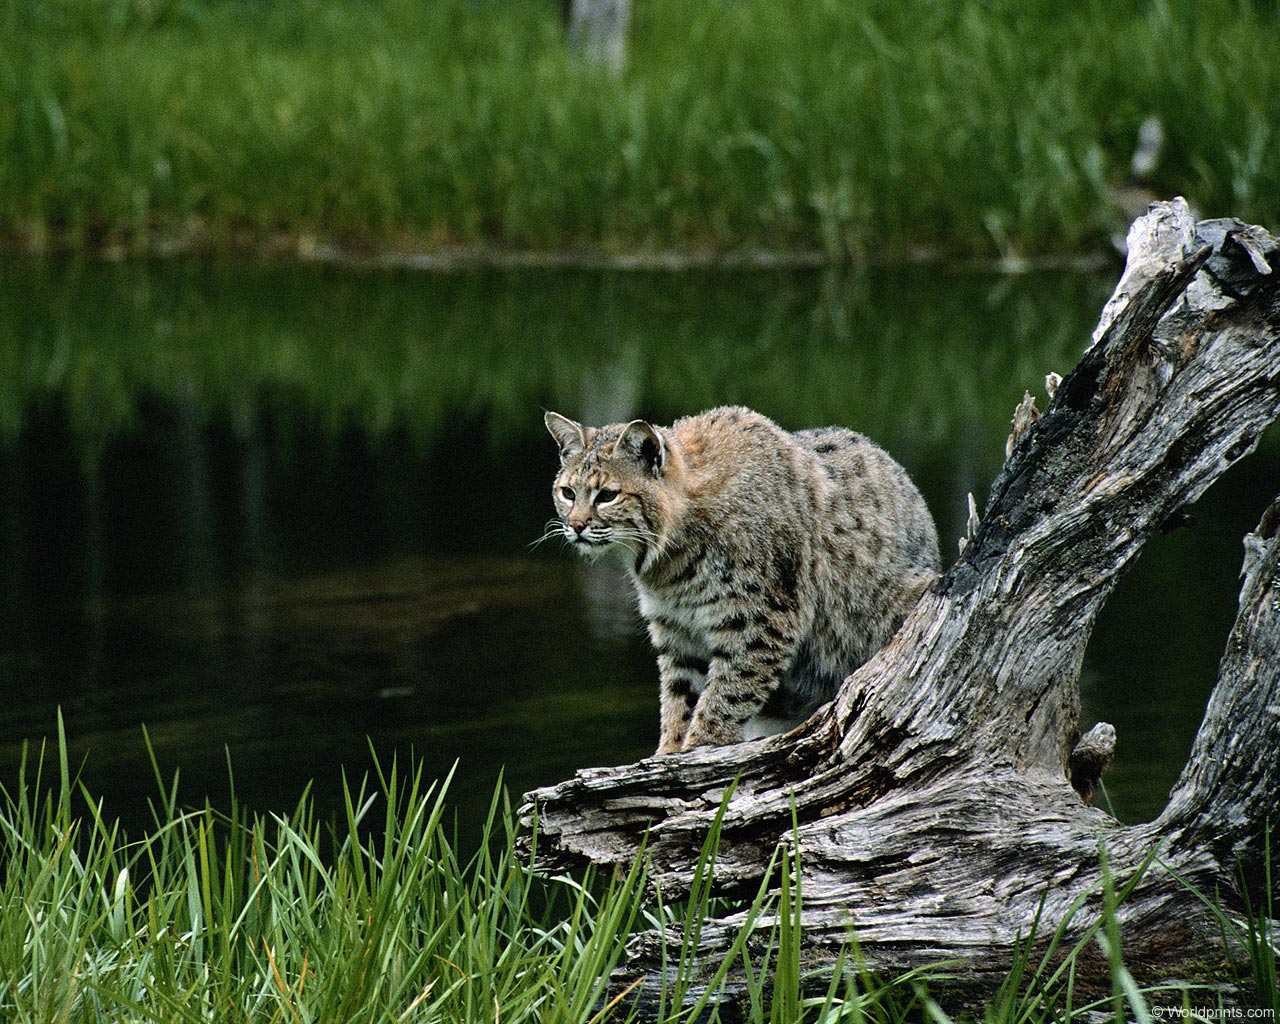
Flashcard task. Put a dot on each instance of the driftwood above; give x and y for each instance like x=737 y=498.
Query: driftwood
x=934 y=796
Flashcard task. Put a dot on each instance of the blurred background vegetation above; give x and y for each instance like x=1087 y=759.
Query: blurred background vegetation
x=1003 y=128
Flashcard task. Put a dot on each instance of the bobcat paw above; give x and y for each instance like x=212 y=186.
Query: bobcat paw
x=711 y=736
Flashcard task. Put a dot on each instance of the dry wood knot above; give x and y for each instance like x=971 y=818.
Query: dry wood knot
x=1090 y=758
x=1242 y=254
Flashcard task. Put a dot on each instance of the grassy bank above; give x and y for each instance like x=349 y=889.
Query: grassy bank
x=215 y=916
x=797 y=125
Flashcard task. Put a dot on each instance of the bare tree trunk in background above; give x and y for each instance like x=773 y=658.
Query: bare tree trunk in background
x=934 y=796
x=598 y=30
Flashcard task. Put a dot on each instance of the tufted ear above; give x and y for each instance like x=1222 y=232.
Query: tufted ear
x=640 y=441
x=568 y=434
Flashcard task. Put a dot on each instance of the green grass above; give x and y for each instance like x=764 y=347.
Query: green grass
x=378 y=917
x=830 y=125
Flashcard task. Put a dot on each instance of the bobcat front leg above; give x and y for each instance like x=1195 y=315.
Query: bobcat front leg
x=682 y=676
x=746 y=668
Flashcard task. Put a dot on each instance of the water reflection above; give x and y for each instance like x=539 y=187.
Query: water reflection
x=287 y=511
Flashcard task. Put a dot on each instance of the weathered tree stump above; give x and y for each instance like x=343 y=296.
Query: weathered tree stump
x=934 y=795
x=598 y=30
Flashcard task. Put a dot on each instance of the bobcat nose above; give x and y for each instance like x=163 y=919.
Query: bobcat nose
x=577 y=525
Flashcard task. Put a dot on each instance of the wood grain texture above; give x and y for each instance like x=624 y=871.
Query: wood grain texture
x=933 y=796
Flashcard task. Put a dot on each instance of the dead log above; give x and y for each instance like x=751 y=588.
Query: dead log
x=934 y=796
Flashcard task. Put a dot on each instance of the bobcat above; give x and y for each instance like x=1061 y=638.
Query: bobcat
x=769 y=565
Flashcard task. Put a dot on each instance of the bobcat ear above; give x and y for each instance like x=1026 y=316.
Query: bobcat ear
x=569 y=435
x=642 y=442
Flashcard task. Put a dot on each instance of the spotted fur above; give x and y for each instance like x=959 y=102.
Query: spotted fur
x=768 y=564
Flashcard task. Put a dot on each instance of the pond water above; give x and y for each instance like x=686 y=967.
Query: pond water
x=281 y=516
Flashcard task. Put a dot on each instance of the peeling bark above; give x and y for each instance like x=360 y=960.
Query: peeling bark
x=934 y=796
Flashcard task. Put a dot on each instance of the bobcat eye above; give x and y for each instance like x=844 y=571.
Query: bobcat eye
x=566 y=493
x=606 y=495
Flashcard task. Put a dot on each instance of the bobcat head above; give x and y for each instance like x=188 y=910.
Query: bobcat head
x=614 y=488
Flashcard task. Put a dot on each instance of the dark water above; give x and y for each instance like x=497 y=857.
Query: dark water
x=281 y=516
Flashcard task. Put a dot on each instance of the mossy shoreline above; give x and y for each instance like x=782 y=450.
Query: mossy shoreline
x=197 y=241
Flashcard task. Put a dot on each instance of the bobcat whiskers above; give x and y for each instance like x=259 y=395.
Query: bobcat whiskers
x=550 y=531
x=635 y=539
x=592 y=542
x=595 y=541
